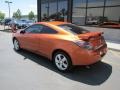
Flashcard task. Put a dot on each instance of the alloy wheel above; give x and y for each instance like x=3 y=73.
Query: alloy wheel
x=61 y=62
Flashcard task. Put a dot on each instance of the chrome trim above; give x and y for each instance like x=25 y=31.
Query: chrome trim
x=96 y=48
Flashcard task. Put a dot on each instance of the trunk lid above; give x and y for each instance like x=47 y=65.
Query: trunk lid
x=94 y=38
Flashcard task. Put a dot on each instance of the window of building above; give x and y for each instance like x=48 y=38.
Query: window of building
x=79 y=3
x=44 y=10
x=112 y=2
x=54 y=10
x=62 y=10
x=79 y=11
x=94 y=16
x=95 y=3
x=112 y=13
x=82 y=12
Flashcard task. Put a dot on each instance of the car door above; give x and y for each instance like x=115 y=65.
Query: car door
x=46 y=40
x=30 y=38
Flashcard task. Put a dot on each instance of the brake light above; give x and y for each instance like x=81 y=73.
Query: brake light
x=84 y=44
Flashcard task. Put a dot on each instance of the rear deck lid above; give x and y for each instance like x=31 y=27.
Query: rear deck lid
x=94 y=38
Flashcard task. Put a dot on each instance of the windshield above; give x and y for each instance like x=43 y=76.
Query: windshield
x=73 y=29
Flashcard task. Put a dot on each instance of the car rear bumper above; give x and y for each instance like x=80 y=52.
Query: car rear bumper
x=87 y=57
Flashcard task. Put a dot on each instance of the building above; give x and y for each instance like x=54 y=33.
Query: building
x=80 y=12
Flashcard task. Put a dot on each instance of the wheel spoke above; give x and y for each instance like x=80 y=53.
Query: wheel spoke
x=59 y=56
x=57 y=61
x=65 y=65
x=61 y=66
x=64 y=59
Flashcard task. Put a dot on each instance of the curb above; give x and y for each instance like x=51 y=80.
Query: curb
x=113 y=46
x=117 y=50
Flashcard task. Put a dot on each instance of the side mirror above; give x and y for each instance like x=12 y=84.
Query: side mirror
x=22 y=32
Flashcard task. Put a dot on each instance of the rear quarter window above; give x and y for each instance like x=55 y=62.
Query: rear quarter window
x=73 y=29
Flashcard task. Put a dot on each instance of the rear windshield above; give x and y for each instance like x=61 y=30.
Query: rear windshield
x=73 y=29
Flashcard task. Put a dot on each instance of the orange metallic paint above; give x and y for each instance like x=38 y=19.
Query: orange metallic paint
x=46 y=44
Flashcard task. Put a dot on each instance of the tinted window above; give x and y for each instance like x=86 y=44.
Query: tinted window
x=73 y=28
x=48 y=30
x=40 y=29
x=34 y=29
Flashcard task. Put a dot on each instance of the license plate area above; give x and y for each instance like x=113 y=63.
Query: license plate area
x=101 y=51
x=97 y=41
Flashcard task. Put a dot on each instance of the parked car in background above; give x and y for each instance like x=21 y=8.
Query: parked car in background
x=30 y=22
x=102 y=19
x=110 y=25
x=21 y=24
x=63 y=43
x=13 y=21
x=96 y=20
x=92 y=22
x=6 y=21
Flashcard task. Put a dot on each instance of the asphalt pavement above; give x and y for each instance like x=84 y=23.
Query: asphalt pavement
x=27 y=71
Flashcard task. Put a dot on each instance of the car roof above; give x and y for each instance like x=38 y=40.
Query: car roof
x=53 y=23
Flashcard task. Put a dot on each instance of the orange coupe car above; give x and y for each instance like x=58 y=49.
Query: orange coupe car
x=63 y=43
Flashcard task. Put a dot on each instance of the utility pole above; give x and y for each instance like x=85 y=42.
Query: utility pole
x=8 y=2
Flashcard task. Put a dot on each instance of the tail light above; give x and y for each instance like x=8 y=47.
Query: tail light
x=84 y=44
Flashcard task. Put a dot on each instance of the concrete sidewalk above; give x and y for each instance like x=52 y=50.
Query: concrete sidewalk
x=113 y=46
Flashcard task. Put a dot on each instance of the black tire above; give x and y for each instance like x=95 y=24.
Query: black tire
x=69 y=62
x=16 y=45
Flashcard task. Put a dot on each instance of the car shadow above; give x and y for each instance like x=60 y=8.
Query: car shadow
x=95 y=75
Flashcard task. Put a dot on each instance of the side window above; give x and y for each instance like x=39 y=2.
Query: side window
x=48 y=30
x=34 y=29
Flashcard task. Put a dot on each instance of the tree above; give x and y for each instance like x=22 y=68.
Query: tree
x=17 y=14
x=2 y=15
x=31 y=15
x=14 y=15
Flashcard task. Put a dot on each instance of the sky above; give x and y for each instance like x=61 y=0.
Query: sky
x=25 y=6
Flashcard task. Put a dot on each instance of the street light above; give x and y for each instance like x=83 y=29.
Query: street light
x=8 y=2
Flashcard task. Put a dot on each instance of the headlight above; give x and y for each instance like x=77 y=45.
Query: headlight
x=84 y=44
